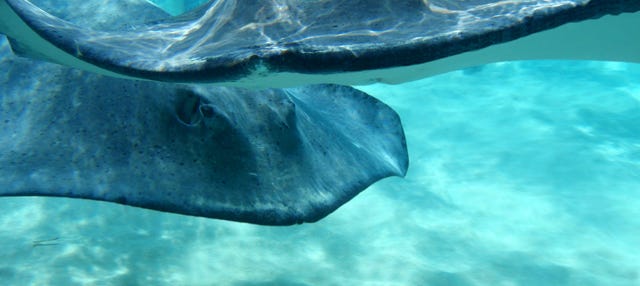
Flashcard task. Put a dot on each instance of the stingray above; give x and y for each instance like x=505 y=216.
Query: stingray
x=273 y=156
x=270 y=156
x=268 y=43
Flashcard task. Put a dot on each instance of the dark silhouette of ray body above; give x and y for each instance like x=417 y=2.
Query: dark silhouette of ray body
x=289 y=42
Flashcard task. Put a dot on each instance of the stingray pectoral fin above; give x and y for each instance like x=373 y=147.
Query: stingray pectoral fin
x=274 y=157
x=29 y=43
x=252 y=43
x=294 y=155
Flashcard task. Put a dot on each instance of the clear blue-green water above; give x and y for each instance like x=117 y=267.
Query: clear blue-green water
x=177 y=7
x=523 y=173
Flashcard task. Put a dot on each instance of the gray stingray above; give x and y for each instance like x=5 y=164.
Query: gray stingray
x=293 y=42
x=274 y=156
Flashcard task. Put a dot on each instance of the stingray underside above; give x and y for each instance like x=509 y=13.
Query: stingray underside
x=228 y=40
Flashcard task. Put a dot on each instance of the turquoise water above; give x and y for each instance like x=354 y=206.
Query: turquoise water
x=523 y=173
x=174 y=7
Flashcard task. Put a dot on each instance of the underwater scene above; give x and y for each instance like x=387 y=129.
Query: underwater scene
x=520 y=173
